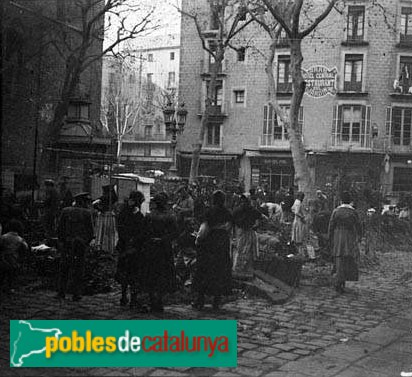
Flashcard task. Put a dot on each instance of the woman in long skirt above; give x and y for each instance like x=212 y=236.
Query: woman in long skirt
x=213 y=267
x=106 y=233
x=299 y=231
x=245 y=217
x=344 y=235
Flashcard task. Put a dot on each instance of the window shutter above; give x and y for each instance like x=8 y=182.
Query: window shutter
x=300 y=121
x=265 y=119
x=388 y=121
x=368 y=125
x=335 y=124
x=271 y=119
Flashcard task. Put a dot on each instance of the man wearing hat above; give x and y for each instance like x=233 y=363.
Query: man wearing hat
x=75 y=232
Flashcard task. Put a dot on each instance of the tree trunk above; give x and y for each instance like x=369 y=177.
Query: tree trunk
x=209 y=101
x=119 y=149
x=302 y=172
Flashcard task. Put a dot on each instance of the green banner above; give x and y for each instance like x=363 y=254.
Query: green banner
x=118 y=343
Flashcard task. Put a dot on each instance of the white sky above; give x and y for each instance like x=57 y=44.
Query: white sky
x=165 y=17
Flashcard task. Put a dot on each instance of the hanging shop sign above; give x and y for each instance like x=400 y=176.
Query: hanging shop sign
x=320 y=81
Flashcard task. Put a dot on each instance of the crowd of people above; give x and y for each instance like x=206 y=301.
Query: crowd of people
x=215 y=228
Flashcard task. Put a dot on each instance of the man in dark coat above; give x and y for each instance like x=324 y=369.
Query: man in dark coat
x=66 y=196
x=158 y=267
x=130 y=224
x=75 y=232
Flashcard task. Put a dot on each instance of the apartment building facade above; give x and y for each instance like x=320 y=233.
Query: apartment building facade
x=154 y=79
x=356 y=114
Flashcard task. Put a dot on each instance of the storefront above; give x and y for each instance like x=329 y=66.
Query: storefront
x=271 y=171
x=225 y=168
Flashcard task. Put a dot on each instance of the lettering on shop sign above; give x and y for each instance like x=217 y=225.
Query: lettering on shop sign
x=320 y=81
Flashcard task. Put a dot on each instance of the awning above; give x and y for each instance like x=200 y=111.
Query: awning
x=134 y=177
x=254 y=153
x=214 y=156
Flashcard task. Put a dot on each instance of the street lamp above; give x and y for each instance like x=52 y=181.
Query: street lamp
x=175 y=120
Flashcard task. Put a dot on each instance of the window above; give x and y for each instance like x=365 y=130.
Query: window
x=149 y=78
x=147 y=150
x=356 y=23
x=239 y=96
x=273 y=128
x=148 y=131
x=401 y=125
x=283 y=38
x=171 y=79
x=353 y=73
x=241 y=53
x=217 y=96
x=405 y=74
x=172 y=56
x=406 y=24
x=351 y=125
x=242 y=13
x=284 y=78
x=212 y=62
x=216 y=11
x=213 y=135
x=61 y=10
x=150 y=58
x=402 y=179
x=112 y=80
x=78 y=111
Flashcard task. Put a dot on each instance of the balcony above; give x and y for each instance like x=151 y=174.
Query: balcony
x=402 y=89
x=206 y=67
x=396 y=144
x=217 y=111
x=405 y=41
x=340 y=144
x=284 y=89
x=354 y=41
x=148 y=139
x=267 y=142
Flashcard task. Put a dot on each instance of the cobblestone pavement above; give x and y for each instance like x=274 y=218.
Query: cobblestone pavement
x=273 y=340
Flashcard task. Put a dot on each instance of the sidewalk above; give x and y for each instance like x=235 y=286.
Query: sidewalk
x=385 y=351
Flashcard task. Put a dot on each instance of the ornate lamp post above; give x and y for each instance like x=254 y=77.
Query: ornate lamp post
x=175 y=120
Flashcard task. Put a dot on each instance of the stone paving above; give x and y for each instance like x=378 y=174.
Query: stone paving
x=316 y=333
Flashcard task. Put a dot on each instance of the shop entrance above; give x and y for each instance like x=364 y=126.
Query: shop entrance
x=272 y=173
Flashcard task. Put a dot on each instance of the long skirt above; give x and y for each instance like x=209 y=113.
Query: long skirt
x=298 y=231
x=106 y=233
x=246 y=250
x=212 y=274
x=158 y=274
x=346 y=269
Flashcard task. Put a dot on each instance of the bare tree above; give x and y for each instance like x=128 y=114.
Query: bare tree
x=275 y=16
x=78 y=54
x=228 y=19
x=119 y=116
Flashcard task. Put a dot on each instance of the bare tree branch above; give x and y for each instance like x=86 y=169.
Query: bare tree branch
x=319 y=19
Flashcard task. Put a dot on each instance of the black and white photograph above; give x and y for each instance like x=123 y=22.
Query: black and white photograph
x=206 y=188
